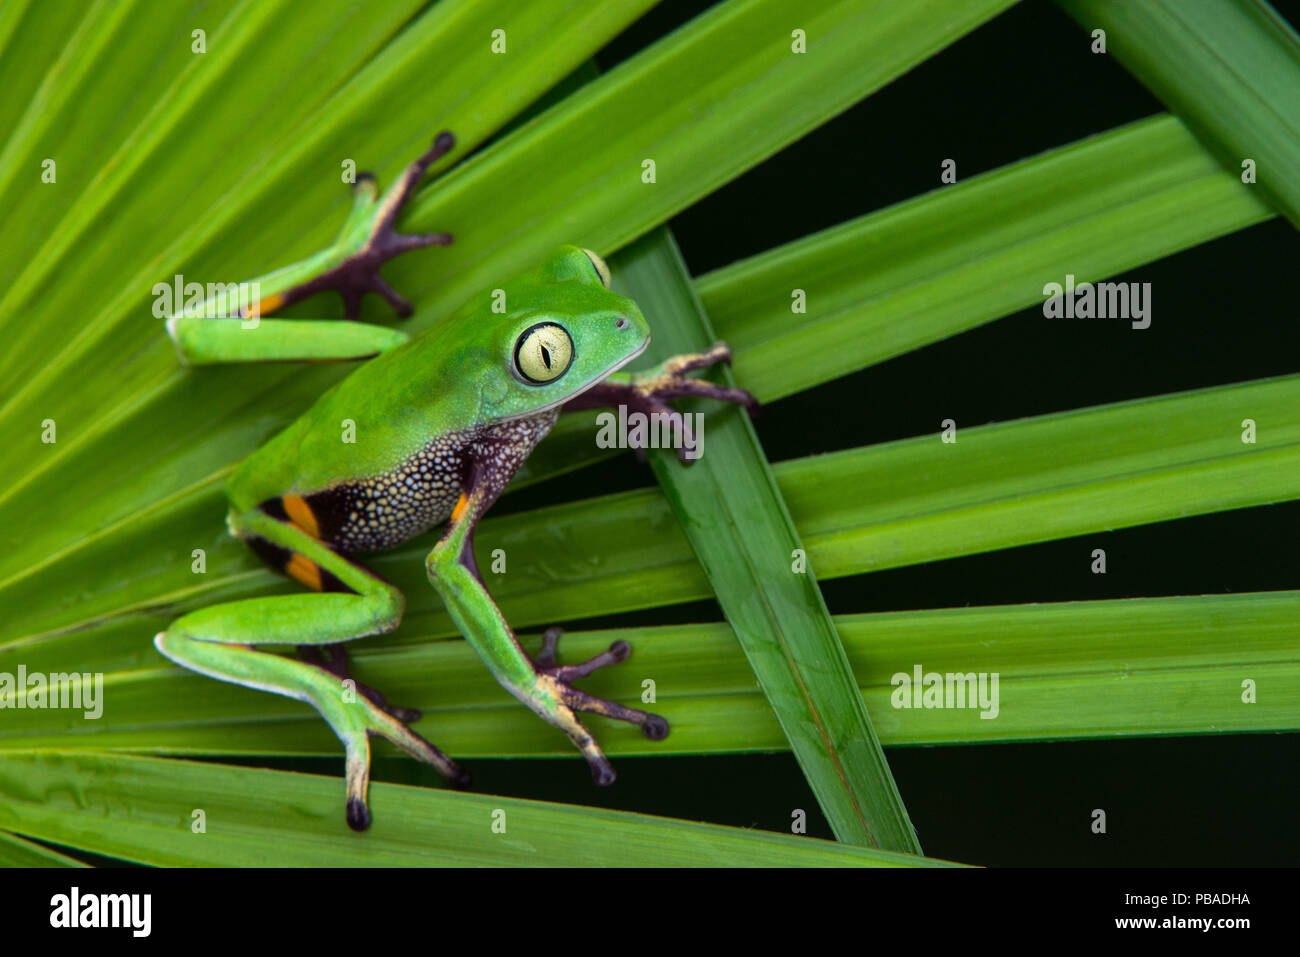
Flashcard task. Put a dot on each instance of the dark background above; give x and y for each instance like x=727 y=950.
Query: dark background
x=1224 y=312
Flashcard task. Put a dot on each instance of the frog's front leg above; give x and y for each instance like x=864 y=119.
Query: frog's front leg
x=218 y=642
x=542 y=685
x=648 y=391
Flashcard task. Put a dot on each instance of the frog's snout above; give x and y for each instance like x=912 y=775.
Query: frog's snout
x=632 y=324
x=637 y=336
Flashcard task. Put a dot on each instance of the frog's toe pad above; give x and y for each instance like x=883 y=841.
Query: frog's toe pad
x=358 y=814
x=461 y=780
x=655 y=727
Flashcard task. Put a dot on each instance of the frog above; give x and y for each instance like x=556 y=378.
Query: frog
x=442 y=421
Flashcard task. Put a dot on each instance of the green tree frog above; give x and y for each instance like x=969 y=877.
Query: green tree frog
x=442 y=422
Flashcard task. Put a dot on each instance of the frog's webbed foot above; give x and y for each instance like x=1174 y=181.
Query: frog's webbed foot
x=652 y=726
x=334 y=659
x=648 y=392
x=370 y=236
x=669 y=380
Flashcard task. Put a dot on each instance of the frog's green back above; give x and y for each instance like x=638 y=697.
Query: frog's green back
x=458 y=375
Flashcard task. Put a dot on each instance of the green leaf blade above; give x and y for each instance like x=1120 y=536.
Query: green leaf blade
x=142 y=809
x=895 y=280
x=729 y=507
x=1241 y=97
x=1067 y=670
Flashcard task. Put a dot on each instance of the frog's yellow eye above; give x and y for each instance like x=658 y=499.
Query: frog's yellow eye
x=544 y=352
x=601 y=269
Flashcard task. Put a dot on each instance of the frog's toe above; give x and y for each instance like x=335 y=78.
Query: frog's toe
x=404 y=187
x=356 y=723
x=461 y=780
x=652 y=726
x=655 y=728
x=404 y=715
x=618 y=652
x=671 y=381
x=686 y=362
x=358 y=814
x=679 y=386
x=602 y=774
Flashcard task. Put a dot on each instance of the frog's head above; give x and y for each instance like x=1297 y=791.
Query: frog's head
x=563 y=331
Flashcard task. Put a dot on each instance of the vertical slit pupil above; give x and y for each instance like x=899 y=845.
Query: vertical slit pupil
x=546 y=356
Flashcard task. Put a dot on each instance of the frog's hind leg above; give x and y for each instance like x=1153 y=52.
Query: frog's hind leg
x=334 y=659
x=369 y=239
x=218 y=642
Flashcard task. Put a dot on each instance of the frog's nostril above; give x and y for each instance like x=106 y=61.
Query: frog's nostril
x=622 y=323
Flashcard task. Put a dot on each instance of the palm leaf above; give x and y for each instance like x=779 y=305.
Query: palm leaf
x=1067 y=670
x=99 y=527
x=1243 y=97
x=143 y=809
x=728 y=505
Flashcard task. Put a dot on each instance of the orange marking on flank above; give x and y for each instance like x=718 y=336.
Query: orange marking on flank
x=303 y=569
x=460 y=507
x=300 y=513
x=266 y=305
